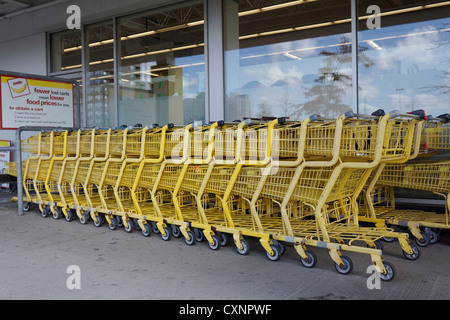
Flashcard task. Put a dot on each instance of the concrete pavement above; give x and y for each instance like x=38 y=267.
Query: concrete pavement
x=36 y=254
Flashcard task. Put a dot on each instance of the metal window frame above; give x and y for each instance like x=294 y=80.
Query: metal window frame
x=355 y=46
x=214 y=59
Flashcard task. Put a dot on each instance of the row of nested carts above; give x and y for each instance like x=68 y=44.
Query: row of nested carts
x=314 y=183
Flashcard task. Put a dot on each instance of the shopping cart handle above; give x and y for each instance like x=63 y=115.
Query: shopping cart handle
x=196 y=124
x=349 y=114
x=60 y=129
x=281 y=120
x=394 y=113
x=88 y=128
x=220 y=123
x=314 y=117
x=247 y=121
x=444 y=117
x=378 y=113
x=419 y=112
x=121 y=127
x=170 y=125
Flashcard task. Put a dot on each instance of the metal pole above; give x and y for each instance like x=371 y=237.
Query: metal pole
x=354 y=29
x=19 y=160
x=19 y=173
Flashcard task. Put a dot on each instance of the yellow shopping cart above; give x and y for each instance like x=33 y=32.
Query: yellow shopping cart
x=387 y=177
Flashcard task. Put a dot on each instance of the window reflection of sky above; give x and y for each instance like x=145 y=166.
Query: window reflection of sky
x=408 y=61
x=411 y=62
x=277 y=75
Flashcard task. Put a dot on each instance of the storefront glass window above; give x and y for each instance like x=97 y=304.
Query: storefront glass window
x=65 y=51
x=162 y=66
x=287 y=58
x=407 y=56
x=100 y=76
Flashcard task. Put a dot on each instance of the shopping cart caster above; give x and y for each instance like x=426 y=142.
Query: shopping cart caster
x=216 y=243
x=310 y=261
x=245 y=247
x=199 y=236
x=98 y=221
x=224 y=239
x=390 y=272
x=347 y=266
x=167 y=234
x=84 y=217
x=119 y=221
x=416 y=252
x=282 y=247
x=136 y=224
x=175 y=231
x=70 y=216
x=56 y=214
x=191 y=240
x=113 y=224
x=433 y=235
x=128 y=227
x=276 y=253
x=146 y=231
x=26 y=206
x=45 y=212
x=155 y=228
x=425 y=240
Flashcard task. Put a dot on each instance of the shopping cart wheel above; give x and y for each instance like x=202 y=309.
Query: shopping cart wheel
x=245 y=247
x=414 y=255
x=69 y=215
x=119 y=221
x=45 y=212
x=176 y=231
x=282 y=247
x=312 y=259
x=426 y=240
x=191 y=240
x=433 y=235
x=390 y=272
x=113 y=224
x=57 y=214
x=224 y=239
x=216 y=244
x=146 y=231
x=275 y=256
x=347 y=267
x=84 y=217
x=155 y=228
x=199 y=236
x=167 y=234
x=129 y=227
x=98 y=221
x=26 y=206
x=136 y=224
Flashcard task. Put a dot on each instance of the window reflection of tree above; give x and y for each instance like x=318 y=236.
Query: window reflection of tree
x=325 y=96
x=441 y=89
